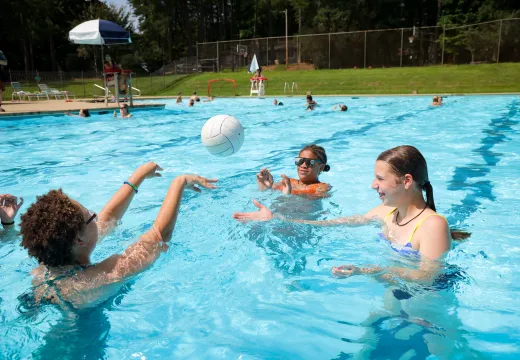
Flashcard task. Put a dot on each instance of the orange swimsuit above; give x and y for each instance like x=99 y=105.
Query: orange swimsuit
x=309 y=190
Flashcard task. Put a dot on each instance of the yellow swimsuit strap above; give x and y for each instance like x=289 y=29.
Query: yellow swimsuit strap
x=419 y=224
x=390 y=213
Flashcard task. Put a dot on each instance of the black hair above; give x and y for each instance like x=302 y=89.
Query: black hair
x=320 y=153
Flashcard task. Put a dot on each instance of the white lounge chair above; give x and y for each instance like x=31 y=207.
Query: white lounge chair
x=18 y=91
x=55 y=92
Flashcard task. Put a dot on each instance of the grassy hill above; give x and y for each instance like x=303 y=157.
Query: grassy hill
x=483 y=78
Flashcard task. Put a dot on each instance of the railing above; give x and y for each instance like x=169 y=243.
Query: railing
x=493 y=41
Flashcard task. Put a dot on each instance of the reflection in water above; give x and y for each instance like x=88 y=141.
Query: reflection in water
x=418 y=321
x=285 y=242
x=78 y=334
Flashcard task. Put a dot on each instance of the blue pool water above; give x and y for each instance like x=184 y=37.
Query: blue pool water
x=226 y=290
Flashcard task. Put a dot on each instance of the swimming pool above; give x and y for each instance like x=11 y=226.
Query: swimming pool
x=264 y=290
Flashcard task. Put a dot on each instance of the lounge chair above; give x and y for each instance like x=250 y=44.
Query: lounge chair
x=18 y=91
x=55 y=92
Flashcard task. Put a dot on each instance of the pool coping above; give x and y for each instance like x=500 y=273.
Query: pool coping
x=110 y=108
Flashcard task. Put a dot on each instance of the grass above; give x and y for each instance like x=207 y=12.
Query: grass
x=483 y=78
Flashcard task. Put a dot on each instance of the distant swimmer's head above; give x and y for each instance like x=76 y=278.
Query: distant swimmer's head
x=84 y=113
x=192 y=102
x=311 y=161
x=275 y=102
x=343 y=108
x=400 y=171
x=58 y=231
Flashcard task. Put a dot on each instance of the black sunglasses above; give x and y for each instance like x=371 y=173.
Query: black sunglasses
x=299 y=161
x=94 y=215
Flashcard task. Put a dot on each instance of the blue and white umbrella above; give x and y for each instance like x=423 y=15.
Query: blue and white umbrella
x=99 y=32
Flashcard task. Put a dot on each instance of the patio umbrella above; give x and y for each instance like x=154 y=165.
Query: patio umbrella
x=254 y=65
x=99 y=32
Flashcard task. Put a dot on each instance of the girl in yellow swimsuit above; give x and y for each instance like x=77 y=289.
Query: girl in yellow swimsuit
x=409 y=221
x=311 y=162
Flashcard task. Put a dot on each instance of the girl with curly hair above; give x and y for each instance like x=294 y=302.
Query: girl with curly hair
x=62 y=234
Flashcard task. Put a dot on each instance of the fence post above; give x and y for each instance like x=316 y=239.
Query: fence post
x=197 y=60
x=163 y=77
x=443 y=39
x=329 y=51
x=267 y=51
x=499 y=40
x=83 y=82
x=401 y=61
x=218 y=60
x=365 y=52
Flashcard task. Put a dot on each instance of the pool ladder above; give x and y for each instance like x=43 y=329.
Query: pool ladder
x=293 y=87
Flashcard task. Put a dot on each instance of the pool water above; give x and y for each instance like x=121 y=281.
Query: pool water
x=228 y=290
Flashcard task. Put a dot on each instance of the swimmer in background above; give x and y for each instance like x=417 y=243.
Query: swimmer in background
x=311 y=104
x=123 y=111
x=409 y=222
x=311 y=161
x=194 y=97
x=191 y=103
x=209 y=99
x=436 y=101
x=276 y=102
x=82 y=113
x=341 y=107
x=179 y=98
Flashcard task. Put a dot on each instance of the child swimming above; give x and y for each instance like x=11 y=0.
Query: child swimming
x=311 y=161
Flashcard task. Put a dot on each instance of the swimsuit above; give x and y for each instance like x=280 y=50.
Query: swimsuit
x=51 y=283
x=310 y=190
x=407 y=249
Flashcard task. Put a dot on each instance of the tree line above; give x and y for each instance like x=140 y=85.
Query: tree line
x=34 y=33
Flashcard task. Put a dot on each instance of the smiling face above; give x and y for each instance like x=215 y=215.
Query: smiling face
x=389 y=187
x=309 y=173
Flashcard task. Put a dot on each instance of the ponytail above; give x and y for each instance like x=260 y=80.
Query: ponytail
x=459 y=235
x=429 y=195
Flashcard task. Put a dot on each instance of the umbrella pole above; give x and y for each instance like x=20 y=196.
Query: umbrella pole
x=104 y=77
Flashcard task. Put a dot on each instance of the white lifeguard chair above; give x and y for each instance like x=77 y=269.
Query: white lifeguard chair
x=257 y=87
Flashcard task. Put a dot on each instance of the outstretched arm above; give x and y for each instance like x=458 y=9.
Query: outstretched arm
x=141 y=254
x=118 y=204
x=264 y=214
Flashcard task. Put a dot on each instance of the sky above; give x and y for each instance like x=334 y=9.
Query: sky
x=125 y=4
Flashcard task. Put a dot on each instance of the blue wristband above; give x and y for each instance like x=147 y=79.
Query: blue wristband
x=131 y=185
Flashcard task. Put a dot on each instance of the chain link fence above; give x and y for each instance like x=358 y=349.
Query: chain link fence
x=90 y=84
x=494 y=41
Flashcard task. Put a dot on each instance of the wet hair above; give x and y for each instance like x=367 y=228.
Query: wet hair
x=435 y=99
x=86 y=113
x=406 y=159
x=194 y=93
x=344 y=108
x=49 y=228
x=309 y=97
x=197 y=99
x=320 y=153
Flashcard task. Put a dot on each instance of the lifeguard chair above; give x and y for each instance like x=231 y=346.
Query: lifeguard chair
x=258 y=86
x=115 y=83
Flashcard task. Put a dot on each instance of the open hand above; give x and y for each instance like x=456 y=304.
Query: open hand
x=264 y=214
x=286 y=185
x=264 y=179
x=193 y=180
x=9 y=207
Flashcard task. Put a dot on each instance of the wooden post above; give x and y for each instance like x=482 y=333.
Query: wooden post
x=499 y=40
x=401 y=61
x=443 y=39
x=365 y=53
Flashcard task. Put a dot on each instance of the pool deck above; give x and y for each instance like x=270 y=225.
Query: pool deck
x=25 y=108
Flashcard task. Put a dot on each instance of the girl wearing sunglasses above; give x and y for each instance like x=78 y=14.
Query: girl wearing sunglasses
x=61 y=234
x=311 y=161
x=408 y=218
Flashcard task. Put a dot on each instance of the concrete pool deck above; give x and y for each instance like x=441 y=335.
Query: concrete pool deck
x=24 y=108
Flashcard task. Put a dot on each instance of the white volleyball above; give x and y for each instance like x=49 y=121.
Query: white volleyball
x=222 y=135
